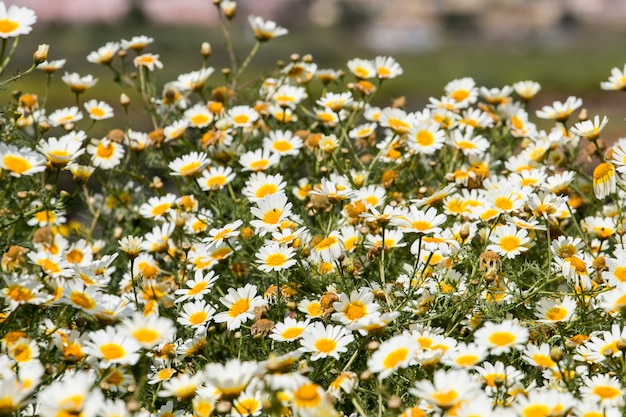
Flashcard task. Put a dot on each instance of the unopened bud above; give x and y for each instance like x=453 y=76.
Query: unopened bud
x=556 y=354
x=373 y=345
x=464 y=232
x=223 y=407
x=41 y=54
x=394 y=403
x=366 y=375
x=205 y=49
x=43 y=127
x=229 y=8
x=124 y=100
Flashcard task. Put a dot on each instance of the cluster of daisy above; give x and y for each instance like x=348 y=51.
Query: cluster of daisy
x=282 y=246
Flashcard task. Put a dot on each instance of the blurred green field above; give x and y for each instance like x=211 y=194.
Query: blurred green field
x=575 y=67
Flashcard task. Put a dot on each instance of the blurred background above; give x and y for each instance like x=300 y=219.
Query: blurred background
x=569 y=46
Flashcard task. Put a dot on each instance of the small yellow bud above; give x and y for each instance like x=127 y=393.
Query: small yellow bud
x=205 y=50
x=41 y=54
x=229 y=8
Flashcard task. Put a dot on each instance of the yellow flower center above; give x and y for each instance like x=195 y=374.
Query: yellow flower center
x=216 y=181
x=603 y=171
x=190 y=168
x=165 y=374
x=284 y=99
x=74 y=402
x=74 y=256
x=59 y=153
x=372 y=200
x=606 y=392
x=45 y=216
x=543 y=360
x=19 y=293
x=200 y=119
x=160 y=209
x=467 y=360
x=112 y=351
x=272 y=216
x=325 y=345
x=17 y=164
x=509 y=243
x=105 y=150
x=292 y=333
x=97 y=112
x=275 y=259
x=197 y=288
x=307 y=396
x=326 y=243
x=361 y=72
x=502 y=338
x=556 y=313
x=50 y=267
x=22 y=353
x=314 y=309
x=259 y=165
x=146 y=335
x=536 y=410
x=115 y=378
x=424 y=342
x=73 y=351
x=460 y=95
x=241 y=119
x=246 y=406
x=197 y=318
x=517 y=122
x=465 y=144
x=503 y=203
x=220 y=253
x=282 y=146
x=610 y=349
x=425 y=138
x=326 y=117
x=355 y=311
x=578 y=264
x=445 y=398
x=145 y=60
x=240 y=306
x=421 y=225
x=265 y=189
x=592 y=414
x=620 y=273
x=395 y=357
x=83 y=300
x=8 y=26
x=383 y=72
x=148 y=271
x=398 y=126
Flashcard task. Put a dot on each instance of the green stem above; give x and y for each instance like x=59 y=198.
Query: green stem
x=245 y=64
x=11 y=52
x=18 y=76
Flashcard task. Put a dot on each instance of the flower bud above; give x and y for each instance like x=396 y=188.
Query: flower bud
x=124 y=100
x=229 y=8
x=41 y=54
x=205 y=50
